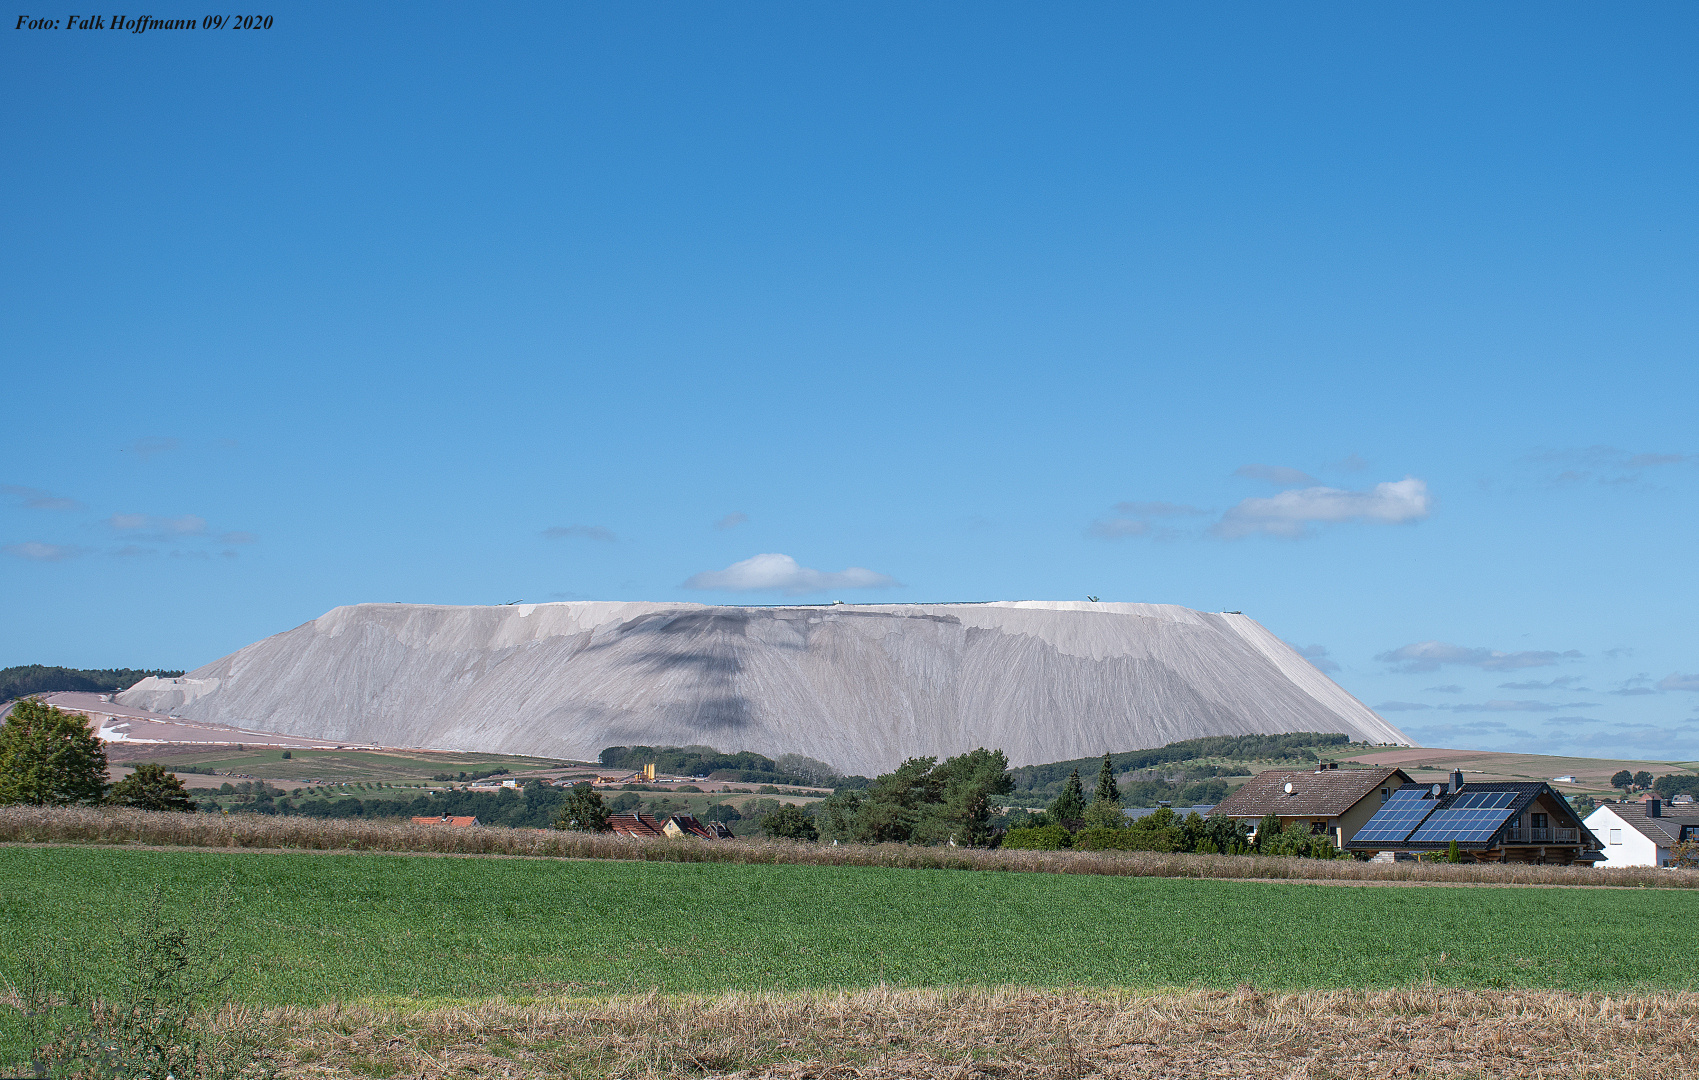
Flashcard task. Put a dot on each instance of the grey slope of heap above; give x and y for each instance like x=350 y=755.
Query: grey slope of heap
x=859 y=686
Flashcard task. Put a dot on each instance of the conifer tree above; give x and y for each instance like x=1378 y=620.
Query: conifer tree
x=1107 y=790
x=49 y=757
x=1069 y=806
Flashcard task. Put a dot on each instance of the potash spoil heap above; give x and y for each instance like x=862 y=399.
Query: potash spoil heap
x=859 y=686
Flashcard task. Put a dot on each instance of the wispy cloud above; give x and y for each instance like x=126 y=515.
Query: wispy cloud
x=36 y=551
x=1401 y=706
x=157 y=529
x=152 y=446
x=1675 y=680
x=1139 y=519
x=1562 y=682
x=1275 y=474
x=37 y=499
x=732 y=520
x=1317 y=656
x=1604 y=465
x=1424 y=656
x=782 y=574
x=1293 y=514
x=1451 y=689
x=580 y=532
x=1511 y=706
x=1571 y=721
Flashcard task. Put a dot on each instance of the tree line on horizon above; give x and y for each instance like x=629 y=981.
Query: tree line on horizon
x=30 y=679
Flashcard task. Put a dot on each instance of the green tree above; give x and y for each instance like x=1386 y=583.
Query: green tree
x=970 y=786
x=1069 y=806
x=1267 y=830
x=582 y=811
x=1622 y=779
x=49 y=757
x=1642 y=780
x=150 y=787
x=1453 y=854
x=790 y=822
x=1107 y=790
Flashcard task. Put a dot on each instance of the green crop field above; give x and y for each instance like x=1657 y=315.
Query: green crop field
x=320 y=928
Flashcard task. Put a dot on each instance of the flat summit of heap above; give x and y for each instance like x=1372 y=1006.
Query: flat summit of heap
x=859 y=686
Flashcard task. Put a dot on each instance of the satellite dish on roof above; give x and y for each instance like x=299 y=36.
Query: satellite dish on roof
x=1288 y=787
x=1437 y=789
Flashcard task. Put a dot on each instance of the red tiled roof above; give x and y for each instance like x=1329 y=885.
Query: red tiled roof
x=636 y=825
x=1328 y=793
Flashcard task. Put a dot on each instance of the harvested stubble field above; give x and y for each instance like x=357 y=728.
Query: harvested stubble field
x=42 y=825
x=971 y=1034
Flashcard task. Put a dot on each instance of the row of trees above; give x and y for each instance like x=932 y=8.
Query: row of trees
x=1070 y=822
x=50 y=758
x=923 y=801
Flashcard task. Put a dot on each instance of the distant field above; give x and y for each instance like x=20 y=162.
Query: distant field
x=313 y=929
x=1592 y=775
x=332 y=766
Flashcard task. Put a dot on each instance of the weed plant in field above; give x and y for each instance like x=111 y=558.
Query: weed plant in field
x=164 y=1013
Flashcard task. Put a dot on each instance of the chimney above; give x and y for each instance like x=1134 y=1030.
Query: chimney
x=1654 y=808
x=1456 y=780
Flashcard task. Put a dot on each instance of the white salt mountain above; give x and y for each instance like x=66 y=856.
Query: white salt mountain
x=859 y=686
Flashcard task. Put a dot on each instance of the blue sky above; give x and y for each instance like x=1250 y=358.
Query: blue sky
x=1374 y=322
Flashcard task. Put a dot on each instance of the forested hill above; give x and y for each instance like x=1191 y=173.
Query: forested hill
x=1295 y=745
x=17 y=682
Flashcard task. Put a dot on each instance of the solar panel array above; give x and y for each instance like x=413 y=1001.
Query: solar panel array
x=1474 y=826
x=1475 y=800
x=1394 y=821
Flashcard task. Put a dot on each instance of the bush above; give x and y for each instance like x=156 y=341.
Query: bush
x=152 y=788
x=1100 y=838
x=790 y=822
x=1038 y=838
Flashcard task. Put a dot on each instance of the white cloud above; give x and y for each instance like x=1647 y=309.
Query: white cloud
x=1274 y=474
x=1431 y=655
x=1291 y=514
x=37 y=499
x=1677 y=681
x=36 y=551
x=580 y=532
x=781 y=573
x=732 y=520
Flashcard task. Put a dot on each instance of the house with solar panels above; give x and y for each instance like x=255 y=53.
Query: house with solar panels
x=1490 y=822
x=1327 y=800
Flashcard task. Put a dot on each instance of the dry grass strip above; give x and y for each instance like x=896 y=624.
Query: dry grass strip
x=78 y=825
x=1009 y=1033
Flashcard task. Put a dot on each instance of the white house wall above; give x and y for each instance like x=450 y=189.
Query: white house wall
x=1624 y=845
